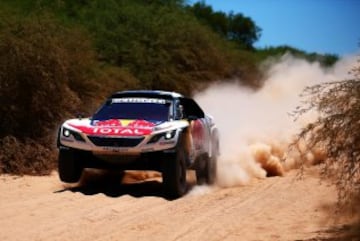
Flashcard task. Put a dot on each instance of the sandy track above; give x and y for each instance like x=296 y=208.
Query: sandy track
x=278 y=208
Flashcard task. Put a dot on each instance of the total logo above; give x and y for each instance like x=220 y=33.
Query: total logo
x=117 y=128
x=121 y=131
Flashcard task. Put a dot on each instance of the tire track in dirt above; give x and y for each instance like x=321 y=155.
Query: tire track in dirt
x=278 y=208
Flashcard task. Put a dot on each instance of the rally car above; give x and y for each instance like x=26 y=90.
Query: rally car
x=142 y=130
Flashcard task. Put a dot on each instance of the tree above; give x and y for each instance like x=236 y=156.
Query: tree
x=242 y=30
x=325 y=60
x=233 y=27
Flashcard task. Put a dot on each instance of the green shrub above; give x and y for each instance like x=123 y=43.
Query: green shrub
x=44 y=77
x=44 y=71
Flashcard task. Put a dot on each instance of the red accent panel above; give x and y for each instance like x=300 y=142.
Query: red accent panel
x=198 y=134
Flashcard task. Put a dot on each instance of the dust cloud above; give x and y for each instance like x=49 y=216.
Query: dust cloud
x=255 y=126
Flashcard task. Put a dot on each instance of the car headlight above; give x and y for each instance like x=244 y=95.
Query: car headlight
x=68 y=133
x=170 y=134
x=166 y=135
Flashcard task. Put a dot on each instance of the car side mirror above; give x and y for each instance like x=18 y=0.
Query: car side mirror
x=80 y=115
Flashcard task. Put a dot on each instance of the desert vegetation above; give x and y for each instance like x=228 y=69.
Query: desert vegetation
x=335 y=130
x=62 y=58
x=335 y=133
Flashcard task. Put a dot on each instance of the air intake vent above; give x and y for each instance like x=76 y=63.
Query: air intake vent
x=116 y=141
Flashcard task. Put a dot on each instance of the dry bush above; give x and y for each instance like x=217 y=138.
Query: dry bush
x=25 y=157
x=44 y=76
x=337 y=129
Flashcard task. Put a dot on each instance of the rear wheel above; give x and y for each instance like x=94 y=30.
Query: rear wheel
x=206 y=166
x=212 y=163
x=200 y=170
x=211 y=170
x=206 y=170
x=174 y=172
x=69 y=168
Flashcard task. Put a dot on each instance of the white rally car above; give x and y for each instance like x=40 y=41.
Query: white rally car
x=142 y=130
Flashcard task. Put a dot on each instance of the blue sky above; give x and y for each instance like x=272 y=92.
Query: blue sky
x=322 y=26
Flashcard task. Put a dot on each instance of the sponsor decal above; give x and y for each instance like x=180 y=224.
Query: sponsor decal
x=138 y=100
x=112 y=122
x=116 y=127
x=112 y=149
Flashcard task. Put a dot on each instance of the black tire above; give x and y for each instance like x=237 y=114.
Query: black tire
x=201 y=169
x=206 y=166
x=211 y=170
x=69 y=167
x=174 y=172
x=206 y=170
x=212 y=163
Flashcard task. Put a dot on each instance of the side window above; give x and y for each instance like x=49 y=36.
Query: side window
x=191 y=109
x=179 y=111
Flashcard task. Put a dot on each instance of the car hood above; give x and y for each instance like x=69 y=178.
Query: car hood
x=113 y=127
x=119 y=127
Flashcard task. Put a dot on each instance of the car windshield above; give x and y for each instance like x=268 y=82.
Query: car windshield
x=135 y=109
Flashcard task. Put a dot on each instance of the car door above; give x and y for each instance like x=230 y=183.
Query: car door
x=198 y=123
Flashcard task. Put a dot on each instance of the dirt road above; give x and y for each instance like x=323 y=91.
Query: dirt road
x=277 y=208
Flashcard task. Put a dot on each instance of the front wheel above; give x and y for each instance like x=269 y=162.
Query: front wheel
x=69 y=167
x=174 y=172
